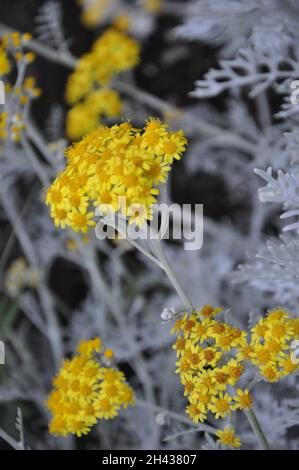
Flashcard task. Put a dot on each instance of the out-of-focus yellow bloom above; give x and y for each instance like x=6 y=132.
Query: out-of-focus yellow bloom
x=84 y=117
x=4 y=63
x=94 y=11
x=109 y=165
x=80 y=120
x=152 y=6
x=244 y=400
x=122 y=22
x=112 y=53
x=84 y=391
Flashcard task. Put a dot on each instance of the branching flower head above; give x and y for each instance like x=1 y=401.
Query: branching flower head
x=213 y=356
x=20 y=94
x=86 y=390
x=111 y=54
x=110 y=166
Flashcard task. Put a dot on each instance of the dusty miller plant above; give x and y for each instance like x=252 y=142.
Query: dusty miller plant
x=248 y=264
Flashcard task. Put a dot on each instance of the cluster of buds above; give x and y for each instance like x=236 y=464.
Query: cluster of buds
x=20 y=94
x=27 y=91
x=11 y=126
x=15 y=44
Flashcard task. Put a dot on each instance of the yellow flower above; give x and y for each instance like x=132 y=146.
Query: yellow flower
x=206 y=369
x=224 y=342
x=295 y=325
x=234 y=369
x=189 y=382
x=280 y=330
x=276 y=315
x=108 y=354
x=270 y=372
x=89 y=347
x=104 y=102
x=221 y=405
x=80 y=120
x=201 y=331
x=285 y=362
x=196 y=413
x=261 y=355
x=183 y=365
x=227 y=437
x=206 y=382
x=122 y=22
x=81 y=220
x=108 y=169
x=259 y=330
x=179 y=325
x=211 y=356
x=193 y=354
x=174 y=146
x=244 y=400
x=112 y=53
x=179 y=345
x=189 y=324
x=221 y=377
x=245 y=353
x=85 y=116
x=84 y=392
x=105 y=408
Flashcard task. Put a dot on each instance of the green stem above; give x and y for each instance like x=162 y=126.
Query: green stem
x=254 y=423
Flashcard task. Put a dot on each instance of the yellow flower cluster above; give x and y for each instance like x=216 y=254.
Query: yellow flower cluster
x=116 y=169
x=86 y=115
x=85 y=391
x=212 y=357
x=27 y=91
x=94 y=11
x=269 y=348
x=18 y=96
x=112 y=53
x=14 y=42
x=11 y=127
